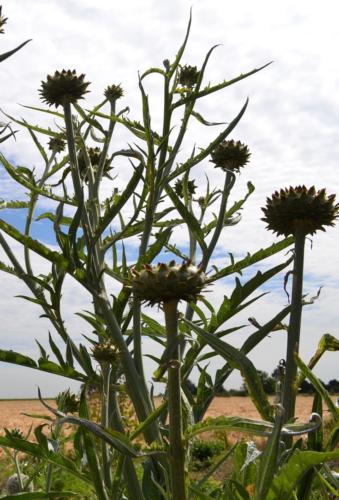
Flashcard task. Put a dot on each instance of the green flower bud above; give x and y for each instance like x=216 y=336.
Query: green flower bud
x=230 y=155
x=64 y=86
x=299 y=207
x=166 y=282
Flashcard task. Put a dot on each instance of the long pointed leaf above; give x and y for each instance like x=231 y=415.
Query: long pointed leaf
x=238 y=360
x=290 y=473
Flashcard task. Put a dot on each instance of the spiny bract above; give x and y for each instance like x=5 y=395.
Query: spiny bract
x=94 y=156
x=62 y=87
x=300 y=208
x=230 y=155
x=179 y=188
x=57 y=144
x=105 y=351
x=67 y=402
x=113 y=92
x=188 y=76
x=166 y=282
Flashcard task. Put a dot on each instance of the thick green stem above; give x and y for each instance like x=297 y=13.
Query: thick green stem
x=293 y=337
x=177 y=451
x=229 y=183
x=138 y=393
x=106 y=462
x=125 y=464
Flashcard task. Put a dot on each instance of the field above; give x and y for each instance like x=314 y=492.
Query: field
x=12 y=411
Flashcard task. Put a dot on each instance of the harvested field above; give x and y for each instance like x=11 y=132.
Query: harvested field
x=11 y=411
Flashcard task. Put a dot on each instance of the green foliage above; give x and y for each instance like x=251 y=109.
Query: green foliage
x=113 y=455
x=204 y=450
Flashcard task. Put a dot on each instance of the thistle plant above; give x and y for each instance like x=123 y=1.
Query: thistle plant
x=167 y=285
x=92 y=225
x=299 y=212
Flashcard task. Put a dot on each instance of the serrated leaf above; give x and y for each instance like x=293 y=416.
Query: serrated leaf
x=252 y=259
x=238 y=360
x=17 y=358
x=4 y=205
x=189 y=218
x=35 y=245
x=35 y=450
x=291 y=472
x=318 y=387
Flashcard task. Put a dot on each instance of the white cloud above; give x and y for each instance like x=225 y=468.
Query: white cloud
x=291 y=124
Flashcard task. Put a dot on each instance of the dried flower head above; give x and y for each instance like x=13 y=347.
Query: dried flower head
x=57 y=144
x=300 y=208
x=3 y=21
x=179 y=188
x=106 y=351
x=113 y=92
x=67 y=402
x=62 y=87
x=230 y=155
x=166 y=282
x=188 y=76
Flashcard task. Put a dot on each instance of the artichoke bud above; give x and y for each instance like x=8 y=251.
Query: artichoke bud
x=188 y=76
x=300 y=208
x=106 y=352
x=64 y=86
x=230 y=155
x=166 y=64
x=94 y=156
x=167 y=282
x=113 y=92
x=57 y=144
x=67 y=402
x=179 y=188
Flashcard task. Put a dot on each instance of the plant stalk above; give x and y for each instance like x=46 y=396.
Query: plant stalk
x=177 y=451
x=106 y=462
x=125 y=464
x=293 y=336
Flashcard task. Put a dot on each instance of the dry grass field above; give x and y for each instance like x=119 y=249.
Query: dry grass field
x=12 y=411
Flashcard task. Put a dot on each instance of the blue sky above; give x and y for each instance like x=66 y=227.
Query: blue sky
x=291 y=127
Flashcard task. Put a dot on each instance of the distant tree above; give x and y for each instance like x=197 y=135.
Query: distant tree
x=268 y=382
x=333 y=386
x=306 y=388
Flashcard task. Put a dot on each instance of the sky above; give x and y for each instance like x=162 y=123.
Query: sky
x=291 y=127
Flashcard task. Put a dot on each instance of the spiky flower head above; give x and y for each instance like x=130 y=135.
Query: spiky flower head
x=113 y=92
x=64 y=86
x=230 y=155
x=188 y=76
x=167 y=282
x=300 y=208
x=94 y=156
x=3 y=21
x=57 y=144
x=105 y=352
x=14 y=433
x=179 y=188
x=13 y=484
x=67 y=402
